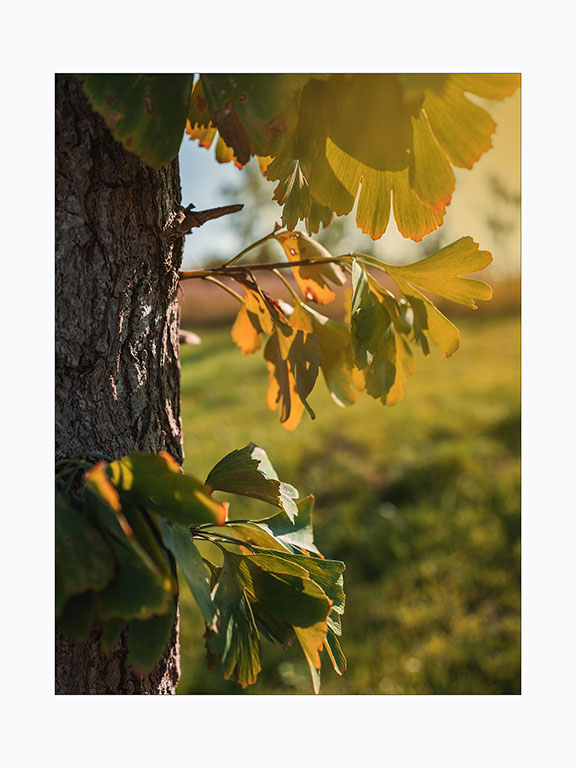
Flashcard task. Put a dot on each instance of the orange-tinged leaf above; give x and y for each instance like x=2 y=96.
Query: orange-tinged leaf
x=259 y=311
x=432 y=177
x=311 y=640
x=98 y=479
x=244 y=333
x=463 y=129
x=198 y=115
x=204 y=136
x=311 y=279
x=414 y=219
x=225 y=154
x=264 y=162
x=489 y=86
x=293 y=362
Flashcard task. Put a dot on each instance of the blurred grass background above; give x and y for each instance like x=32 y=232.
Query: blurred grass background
x=421 y=501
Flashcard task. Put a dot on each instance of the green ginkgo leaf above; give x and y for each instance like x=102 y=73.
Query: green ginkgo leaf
x=145 y=113
x=373 y=336
x=250 y=110
x=178 y=540
x=249 y=472
x=147 y=640
x=84 y=560
x=236 y=646
x=294 y=535
x=156 y=482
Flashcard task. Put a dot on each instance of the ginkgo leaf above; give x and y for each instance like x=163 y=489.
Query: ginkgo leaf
x=245 y=333
x=178 y=540
x=249 y=110
x=272 y=626
x=489 y=86
x=138 y=591
x=78 y=616
x=429 y=321
x=332 y=646
x=463 y=130
x=327 y=574
x=419 y=126
x=311 y=640
x=225 y=154
x=319 y=215
x=236 y=645
x=146 y=113
x=335 y=349
x=294 y=535
x=284 y=588
x=311 y=279
x=293 y=362
x=440 y=273
x=156 y=482
x=84 y=561
x=198 y=114
x=373 y=336
x=248 y=472
x=110 y=633
x=147 y=640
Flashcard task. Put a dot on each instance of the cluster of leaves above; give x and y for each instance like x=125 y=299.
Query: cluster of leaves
x=326 y=139
x=118 y=540
x=372 y=349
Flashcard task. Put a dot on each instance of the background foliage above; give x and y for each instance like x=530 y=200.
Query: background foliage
x=423 y=506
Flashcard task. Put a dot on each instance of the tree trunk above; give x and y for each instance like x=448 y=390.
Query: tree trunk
x=117 y=353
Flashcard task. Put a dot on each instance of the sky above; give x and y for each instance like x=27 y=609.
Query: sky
x=203 y=180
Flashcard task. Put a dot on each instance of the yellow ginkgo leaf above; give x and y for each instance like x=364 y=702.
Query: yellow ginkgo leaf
x=311 y=279
x=440 y=273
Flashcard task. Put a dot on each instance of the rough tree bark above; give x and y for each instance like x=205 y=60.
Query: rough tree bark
x=117 y=353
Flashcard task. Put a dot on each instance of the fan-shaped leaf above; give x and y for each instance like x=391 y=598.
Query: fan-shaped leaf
x=156 y=482
x=84 y=561
x=236 y=646
x=146 y=113
x=248 y=472
x=311 y=279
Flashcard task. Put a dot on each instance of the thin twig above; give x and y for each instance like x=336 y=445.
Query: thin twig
x=224 y=270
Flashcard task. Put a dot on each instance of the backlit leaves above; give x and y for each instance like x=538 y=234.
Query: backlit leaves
x=374 y=351
x=419 y=126
x=326 y=139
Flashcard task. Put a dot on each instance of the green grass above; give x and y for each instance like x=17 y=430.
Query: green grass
x=420 y=500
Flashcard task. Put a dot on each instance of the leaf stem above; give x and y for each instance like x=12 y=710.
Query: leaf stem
x=228 y=539
x=224 y=287
x=249 y=248
x=287 y=284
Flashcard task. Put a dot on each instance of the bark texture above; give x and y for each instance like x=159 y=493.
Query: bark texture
x=117 y=350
